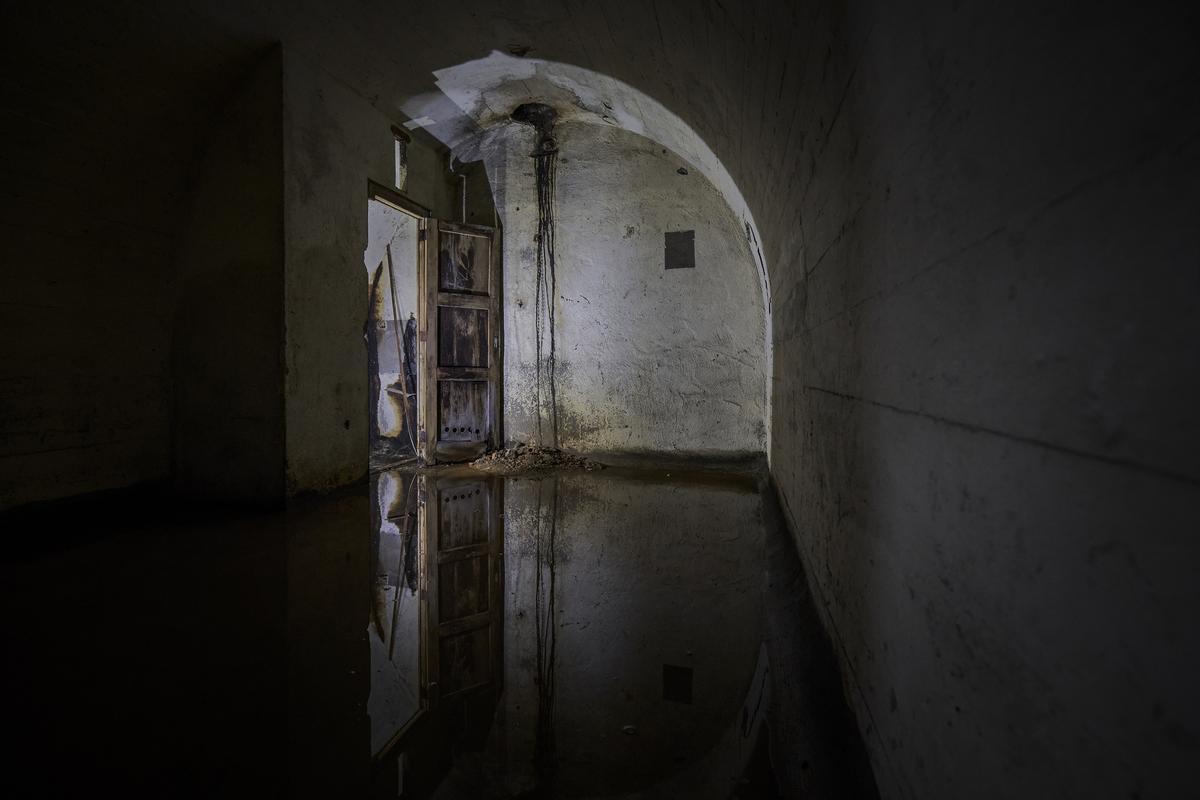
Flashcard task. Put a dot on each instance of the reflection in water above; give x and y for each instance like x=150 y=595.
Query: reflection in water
x=545 y=617
x=395 y=613
x=624 y=655
x=450 y=635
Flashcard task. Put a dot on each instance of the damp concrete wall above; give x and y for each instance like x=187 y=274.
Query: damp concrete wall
x=227 y=336
x=983 y=250
x=647 y=358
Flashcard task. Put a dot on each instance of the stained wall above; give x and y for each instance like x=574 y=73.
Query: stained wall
x=647 y=358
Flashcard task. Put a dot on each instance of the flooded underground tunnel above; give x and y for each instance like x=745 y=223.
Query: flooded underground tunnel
x=636 y=630
x=614 y=633
x=681 y=399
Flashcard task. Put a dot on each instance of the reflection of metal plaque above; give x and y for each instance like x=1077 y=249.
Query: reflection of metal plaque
x=677 y=684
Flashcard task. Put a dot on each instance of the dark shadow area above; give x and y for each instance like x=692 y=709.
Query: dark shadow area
x=652 y=636
x=810 y=716
x=646 y=633
x=145 y=649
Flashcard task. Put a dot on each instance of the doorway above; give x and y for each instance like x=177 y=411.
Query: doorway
x=433 y=335
x=393 y=258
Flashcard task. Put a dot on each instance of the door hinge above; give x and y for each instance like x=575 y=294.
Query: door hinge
x=422 y=235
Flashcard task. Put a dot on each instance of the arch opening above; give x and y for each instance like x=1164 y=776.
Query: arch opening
x=662 y=303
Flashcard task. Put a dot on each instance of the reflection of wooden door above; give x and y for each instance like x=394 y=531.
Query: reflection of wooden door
x=465 y=606
x=459 y=343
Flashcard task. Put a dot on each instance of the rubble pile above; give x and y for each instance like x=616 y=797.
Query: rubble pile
x=526 y=458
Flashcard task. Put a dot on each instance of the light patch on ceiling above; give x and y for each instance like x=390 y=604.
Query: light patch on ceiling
x=419 y=122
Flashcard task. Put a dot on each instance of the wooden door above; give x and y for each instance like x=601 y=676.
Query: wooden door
x=459 y=343
x=463 y=519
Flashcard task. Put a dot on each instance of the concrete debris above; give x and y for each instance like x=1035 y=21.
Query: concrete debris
x=524 y=458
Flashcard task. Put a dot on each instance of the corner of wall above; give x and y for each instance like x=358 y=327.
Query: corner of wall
x=227 y=345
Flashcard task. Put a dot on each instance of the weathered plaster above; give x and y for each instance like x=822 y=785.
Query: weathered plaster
x=647 y=359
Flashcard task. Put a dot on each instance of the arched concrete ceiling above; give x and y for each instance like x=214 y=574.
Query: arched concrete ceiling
x=476 y=99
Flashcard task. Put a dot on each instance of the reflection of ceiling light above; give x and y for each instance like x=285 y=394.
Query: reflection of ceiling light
x=419 y=122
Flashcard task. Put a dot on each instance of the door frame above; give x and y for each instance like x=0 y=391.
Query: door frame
x=411 y=208
x=398 y=201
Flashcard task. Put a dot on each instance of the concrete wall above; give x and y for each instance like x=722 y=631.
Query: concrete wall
x=985 y=386
x=648 y=359
x=227 y=337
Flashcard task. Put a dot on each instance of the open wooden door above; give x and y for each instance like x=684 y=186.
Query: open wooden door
x=459 y=343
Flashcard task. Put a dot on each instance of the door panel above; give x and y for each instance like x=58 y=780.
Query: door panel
x=463 y=587
x=465 y=660
x=462 y=337
x=461 y=405
x=459 y=343
x=464 y=512
x=464 y=261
